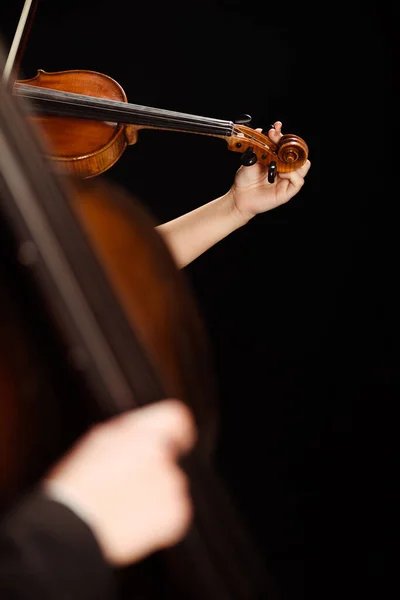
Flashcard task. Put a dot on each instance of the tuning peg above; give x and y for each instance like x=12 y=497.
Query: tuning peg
x=271 y=171
x=248 y=158
x=243 y=120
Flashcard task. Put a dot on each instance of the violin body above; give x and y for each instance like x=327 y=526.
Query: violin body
x=83 y=147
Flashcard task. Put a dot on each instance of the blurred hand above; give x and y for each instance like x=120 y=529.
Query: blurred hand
x=123 y=477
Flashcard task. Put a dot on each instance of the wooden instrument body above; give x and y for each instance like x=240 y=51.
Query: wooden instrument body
x=83 y=147
x=158 y=306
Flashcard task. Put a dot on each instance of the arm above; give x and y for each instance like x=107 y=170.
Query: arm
x=195 y=232
x=192 y=234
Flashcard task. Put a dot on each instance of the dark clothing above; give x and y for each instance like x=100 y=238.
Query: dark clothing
x=47 y=552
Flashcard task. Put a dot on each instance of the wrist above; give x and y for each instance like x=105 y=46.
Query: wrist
x=238 y=217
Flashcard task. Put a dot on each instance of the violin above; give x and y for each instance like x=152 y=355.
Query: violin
x=89 y=123
x=96 y=319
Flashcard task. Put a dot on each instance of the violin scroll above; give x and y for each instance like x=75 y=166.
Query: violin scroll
x=289 y=154
x=292 y=150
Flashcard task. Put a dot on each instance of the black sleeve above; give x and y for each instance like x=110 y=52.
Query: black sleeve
x=47 y=552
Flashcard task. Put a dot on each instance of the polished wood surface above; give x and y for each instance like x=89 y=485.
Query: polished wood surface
x=79 y=146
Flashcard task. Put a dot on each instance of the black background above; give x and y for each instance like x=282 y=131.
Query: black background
x=301 y=305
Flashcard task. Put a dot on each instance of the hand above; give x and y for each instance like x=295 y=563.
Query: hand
x=253 y=194
x=124 y=478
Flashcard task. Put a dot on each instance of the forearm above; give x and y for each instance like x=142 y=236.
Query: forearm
x=192 y=234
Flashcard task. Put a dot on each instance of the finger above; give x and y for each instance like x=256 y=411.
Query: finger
x=275 y=132
x=296 y=181
x=272 y=134
x=169 y=419
x=179 y=422
x=304 y=169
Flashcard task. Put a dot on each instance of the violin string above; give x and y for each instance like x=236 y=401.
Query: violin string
x=67 y=102
x=72 y=104
x=134 y=115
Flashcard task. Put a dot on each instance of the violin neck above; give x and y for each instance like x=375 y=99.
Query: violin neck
x=67 y=104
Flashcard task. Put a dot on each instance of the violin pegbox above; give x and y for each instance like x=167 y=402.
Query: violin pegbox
x=289 y=154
